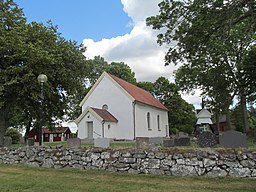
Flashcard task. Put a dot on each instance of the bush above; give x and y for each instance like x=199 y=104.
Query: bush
x=14 y=134
x=186 y=128
x=174 y=131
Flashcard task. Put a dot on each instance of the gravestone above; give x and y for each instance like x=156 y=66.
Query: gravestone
x=74 y=142
x=156 y=140
x=207 y=139
x=142 y=142
x=87 y=141
x=30 y=141
x=22 y=140
x=102 y=142
x=182 y=141
x=233 y=139
x=168 y=142
x=182 y=134
x=7 y=141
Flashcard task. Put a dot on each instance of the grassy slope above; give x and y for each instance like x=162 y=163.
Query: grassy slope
x=22 y=178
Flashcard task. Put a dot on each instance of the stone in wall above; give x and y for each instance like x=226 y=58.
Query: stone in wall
x=183 y=170
x=193 y=163
x=216 y=172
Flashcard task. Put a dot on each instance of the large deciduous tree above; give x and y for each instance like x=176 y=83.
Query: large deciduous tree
x=26 y=50
x=212 y=39
x=12 y=22
x=98 y=65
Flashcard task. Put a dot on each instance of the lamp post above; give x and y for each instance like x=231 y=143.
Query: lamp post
x=41 y=80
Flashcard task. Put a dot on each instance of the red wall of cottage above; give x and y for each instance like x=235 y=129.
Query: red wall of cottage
x=34 y=134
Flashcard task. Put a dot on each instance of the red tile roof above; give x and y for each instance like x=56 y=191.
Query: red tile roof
x=55 y=130
x=105 y=115
x=139 y=94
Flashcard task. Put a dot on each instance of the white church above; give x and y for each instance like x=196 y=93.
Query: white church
x=117 y=109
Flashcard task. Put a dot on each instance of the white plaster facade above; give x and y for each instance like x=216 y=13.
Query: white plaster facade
x=100 y=128
x=158 y=127
x=131 y=115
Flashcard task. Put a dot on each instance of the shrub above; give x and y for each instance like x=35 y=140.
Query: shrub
x=14 y=134
x=186 y=128
x=174 y=131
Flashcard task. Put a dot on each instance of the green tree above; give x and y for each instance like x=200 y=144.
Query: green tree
x=12 y=22
x=236 y=117
x=26 y=50
x=98 y=65
x=211 y=39
x=14 y=134
x=248 y=69
x=181 y=115
x=252 y=115
x=122 y=71
x=148 y=86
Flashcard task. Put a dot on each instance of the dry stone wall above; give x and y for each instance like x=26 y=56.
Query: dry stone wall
x=190 y=163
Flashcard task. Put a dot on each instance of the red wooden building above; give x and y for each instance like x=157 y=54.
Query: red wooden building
x=222 y=124
x=51 y=135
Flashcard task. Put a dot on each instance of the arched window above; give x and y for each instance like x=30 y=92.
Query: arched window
x=148 y=120
x=158 y=123
x=105 y=107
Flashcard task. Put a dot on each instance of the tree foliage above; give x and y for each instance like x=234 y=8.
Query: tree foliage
x=236 y=116
x=148 y=86
x=98 y=65
x=249 y=73
x=14 y=134
x=27 y=50
x=212 y=39
x=122 y=71
x=181 y=115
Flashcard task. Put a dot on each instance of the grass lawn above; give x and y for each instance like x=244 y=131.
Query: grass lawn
x=125 y=144
x=251 y=143
x=22 y=178
x=115 y=145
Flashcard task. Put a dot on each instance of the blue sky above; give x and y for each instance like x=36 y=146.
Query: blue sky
x=80 y=19
x=113 y=29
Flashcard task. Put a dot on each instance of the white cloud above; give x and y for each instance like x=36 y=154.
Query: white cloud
x=138 y=49
x=72 y=126
x=194 y=98
x=139 y=10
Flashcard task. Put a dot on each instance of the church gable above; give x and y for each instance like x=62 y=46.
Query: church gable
x=118 y=109
x=129 y=90
x=106 y=92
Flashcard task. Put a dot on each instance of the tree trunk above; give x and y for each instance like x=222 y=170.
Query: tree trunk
x=254 y=134
x=228 y=120
x=217 y=122
x=28 y=126
x=2 y=125
x=244 y=113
